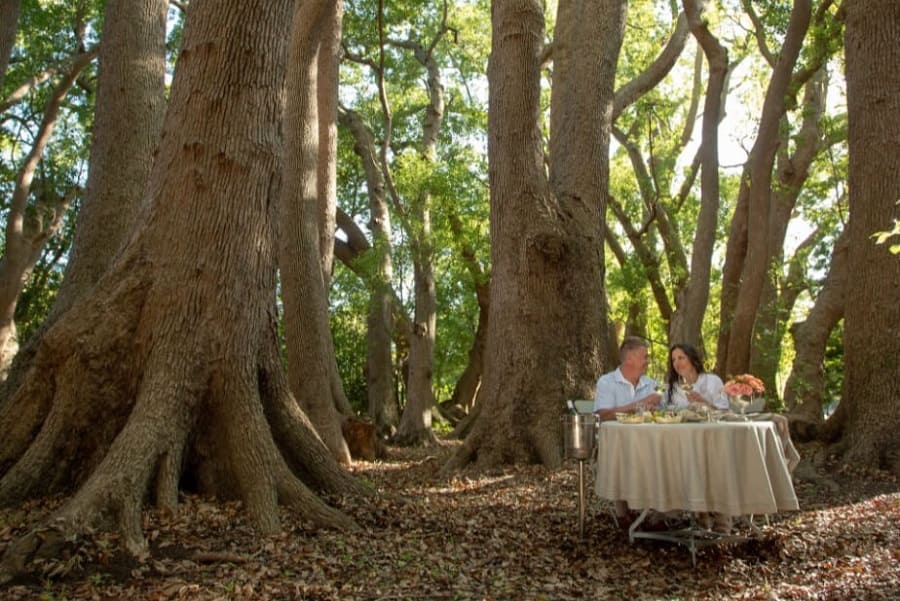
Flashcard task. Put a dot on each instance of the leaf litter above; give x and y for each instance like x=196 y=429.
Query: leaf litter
x=507 y=533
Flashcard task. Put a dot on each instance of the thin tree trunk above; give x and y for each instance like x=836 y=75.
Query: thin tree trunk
x=415 y=422
x=310 y=350
x=779 y=292
x=28 y=231
x=382 y=403
x=466 y=390
x=804 y=387
x=735 y=255
x=687 y=327
x=761 y=160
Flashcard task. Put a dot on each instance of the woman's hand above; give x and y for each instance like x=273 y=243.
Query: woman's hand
x=695 y=397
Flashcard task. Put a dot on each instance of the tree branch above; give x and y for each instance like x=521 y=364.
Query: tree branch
x=658 y=69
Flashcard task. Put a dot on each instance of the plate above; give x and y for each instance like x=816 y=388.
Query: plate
x=629 y=418
x=667 y=419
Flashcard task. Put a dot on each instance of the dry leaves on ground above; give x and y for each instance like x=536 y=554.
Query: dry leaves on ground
x=508 y=534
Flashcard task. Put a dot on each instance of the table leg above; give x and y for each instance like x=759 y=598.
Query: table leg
x=632 y=530
x=693 y=537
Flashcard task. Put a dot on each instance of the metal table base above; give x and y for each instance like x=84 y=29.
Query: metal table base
x=693 y=537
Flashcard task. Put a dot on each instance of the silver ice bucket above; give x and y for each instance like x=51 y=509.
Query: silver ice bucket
x=579 y=434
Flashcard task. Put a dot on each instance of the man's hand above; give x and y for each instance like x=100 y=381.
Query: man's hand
x=649 y=402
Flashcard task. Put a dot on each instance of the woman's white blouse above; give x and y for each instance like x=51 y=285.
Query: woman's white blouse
x=708 y=385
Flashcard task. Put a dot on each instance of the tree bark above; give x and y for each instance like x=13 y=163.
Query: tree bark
x=803 y=390
x=691 y=307
x=779 y=292
x=872 y=315
x=129 y=112
x=735 y=256
x=172 y=359
x=382 y=402
x=9 y=23
x=547 y=333
x=761 y=160
x=415 y=422
x=327 y=68
x=310 y=349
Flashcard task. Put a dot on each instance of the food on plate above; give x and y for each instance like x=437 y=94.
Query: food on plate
x=667 y=418
x=629 y=418
x=689 y=415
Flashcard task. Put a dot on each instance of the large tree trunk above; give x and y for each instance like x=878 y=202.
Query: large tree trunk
x=172 y=359
x=761 y=160
x=547 y=332
x=310 y=351
x=9 y=23
x=328 y=68
x=803 y=390
x=872 y=315
x=129 y=112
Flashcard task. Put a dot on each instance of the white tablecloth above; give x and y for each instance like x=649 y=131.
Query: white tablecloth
x=729 y=468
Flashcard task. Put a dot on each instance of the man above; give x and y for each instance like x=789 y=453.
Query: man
x=626 y=389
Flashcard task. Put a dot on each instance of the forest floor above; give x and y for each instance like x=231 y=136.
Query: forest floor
x=508 y=534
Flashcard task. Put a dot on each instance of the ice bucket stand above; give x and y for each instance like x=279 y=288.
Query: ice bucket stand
x=579 y=440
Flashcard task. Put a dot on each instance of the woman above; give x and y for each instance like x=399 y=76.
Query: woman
x=688 y=383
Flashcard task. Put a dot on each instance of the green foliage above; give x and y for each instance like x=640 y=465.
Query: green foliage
x=456 y=178
x=834 y=368
x=40 y=290
x=883 y=237
x=347 y=318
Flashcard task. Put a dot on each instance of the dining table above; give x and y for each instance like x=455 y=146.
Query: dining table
x=736 y=468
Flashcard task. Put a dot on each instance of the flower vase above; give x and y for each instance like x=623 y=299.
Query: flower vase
x=740 y=402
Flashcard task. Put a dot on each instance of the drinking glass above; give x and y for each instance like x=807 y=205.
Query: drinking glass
x=742 y=403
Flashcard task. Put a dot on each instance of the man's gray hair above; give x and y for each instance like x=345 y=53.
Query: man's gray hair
x=631 y=343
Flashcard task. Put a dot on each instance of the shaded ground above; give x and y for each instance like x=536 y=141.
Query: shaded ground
x=512 y=534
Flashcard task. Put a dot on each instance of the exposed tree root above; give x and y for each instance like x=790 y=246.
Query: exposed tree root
x=240 y=411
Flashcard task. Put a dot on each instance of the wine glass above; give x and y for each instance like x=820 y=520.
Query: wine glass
x=742 y=403
x=685 y=387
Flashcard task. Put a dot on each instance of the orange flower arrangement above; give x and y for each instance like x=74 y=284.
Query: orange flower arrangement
x=744 y=385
